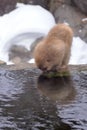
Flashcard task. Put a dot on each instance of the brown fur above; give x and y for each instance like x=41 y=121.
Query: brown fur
x=53 y=52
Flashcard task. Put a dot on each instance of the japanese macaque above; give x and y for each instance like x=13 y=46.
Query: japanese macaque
x=53 y=52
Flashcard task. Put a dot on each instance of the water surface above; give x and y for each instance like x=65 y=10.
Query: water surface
x=30 y=101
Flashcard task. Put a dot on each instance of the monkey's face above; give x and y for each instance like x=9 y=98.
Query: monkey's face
x=47 y=58
x=46 y=64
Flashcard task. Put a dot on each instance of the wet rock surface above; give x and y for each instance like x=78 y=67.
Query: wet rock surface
x=28 y=100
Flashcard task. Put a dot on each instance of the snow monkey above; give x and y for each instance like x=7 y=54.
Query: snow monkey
x=53 y=52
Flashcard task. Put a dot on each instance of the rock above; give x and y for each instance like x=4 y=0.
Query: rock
x=54 y=4
x=18 y=54
x=16 y=60
x=83 y=33
x=81 y=4
x=2 y=62
x=7 y=5
x=43 y=3
x=71 y=15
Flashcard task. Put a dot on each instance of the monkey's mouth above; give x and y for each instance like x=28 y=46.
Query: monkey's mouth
x=50 y=71
x=54 y=68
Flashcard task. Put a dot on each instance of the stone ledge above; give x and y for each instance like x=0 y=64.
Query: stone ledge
x=72 y=68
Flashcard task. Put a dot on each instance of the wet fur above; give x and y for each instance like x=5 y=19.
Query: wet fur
x=53 y=52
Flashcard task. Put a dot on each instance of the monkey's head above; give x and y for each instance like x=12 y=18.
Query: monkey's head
x=49 y=55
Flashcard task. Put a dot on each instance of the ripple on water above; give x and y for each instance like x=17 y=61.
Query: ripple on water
x=11 y=84
x=28 y=104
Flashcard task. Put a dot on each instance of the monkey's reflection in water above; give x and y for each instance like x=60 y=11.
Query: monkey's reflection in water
x=58 y=89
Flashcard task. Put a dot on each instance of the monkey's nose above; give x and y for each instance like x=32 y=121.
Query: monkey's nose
x=43 y=68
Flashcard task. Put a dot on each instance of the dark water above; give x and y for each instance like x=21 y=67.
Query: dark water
x=32 y=102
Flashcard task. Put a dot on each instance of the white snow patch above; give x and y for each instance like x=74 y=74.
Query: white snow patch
x=85 y=19
x=78 y=52
x=31 y=60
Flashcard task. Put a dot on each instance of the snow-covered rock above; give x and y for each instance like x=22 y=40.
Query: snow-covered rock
x=22 y=26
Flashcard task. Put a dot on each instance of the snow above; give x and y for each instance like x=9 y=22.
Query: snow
x=25 y=24
x=85 y=19
x=31 y=61
x=22 y=26
x=78 y=52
